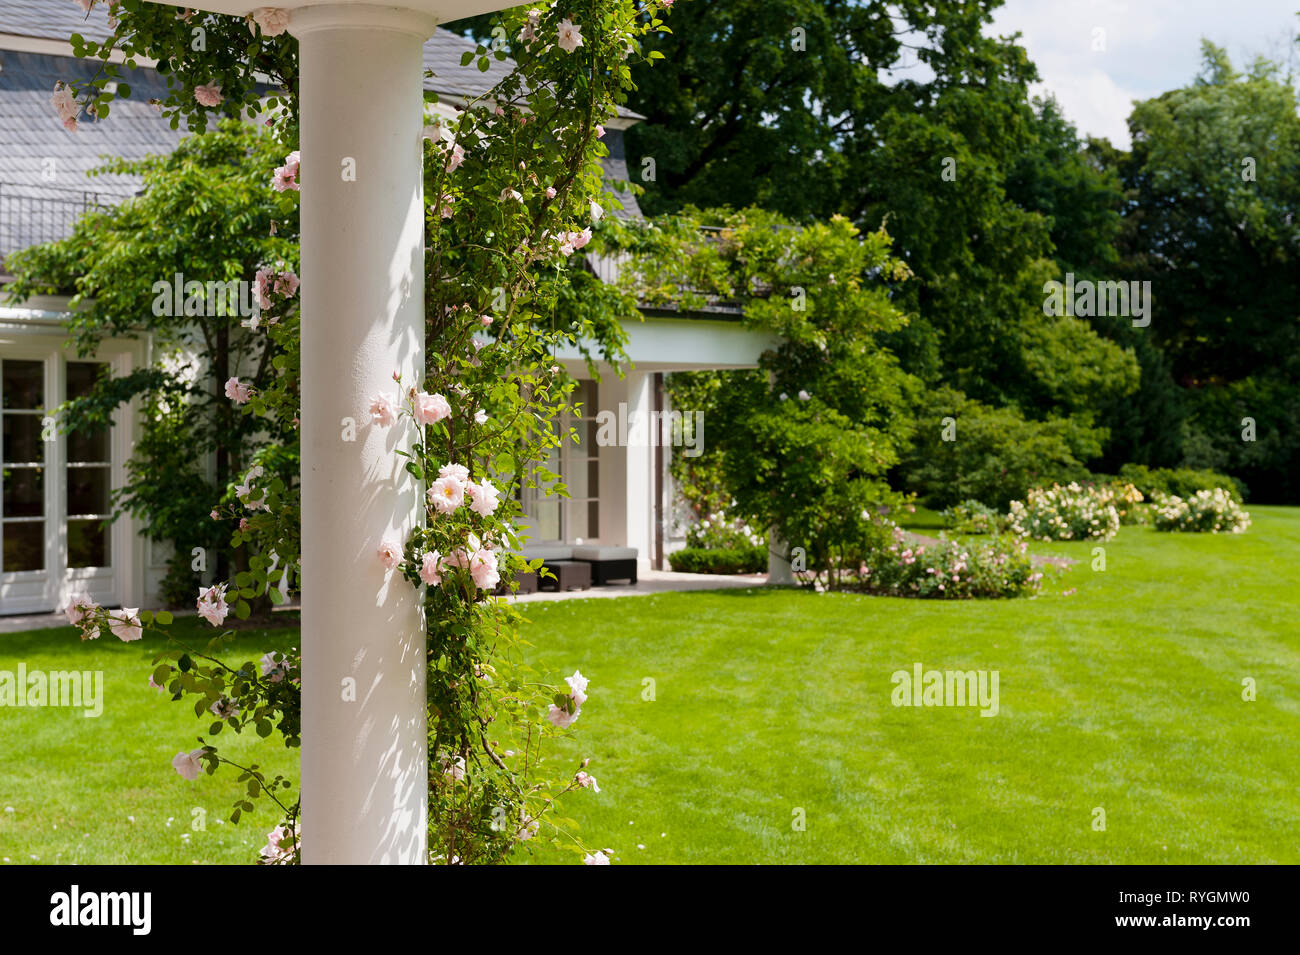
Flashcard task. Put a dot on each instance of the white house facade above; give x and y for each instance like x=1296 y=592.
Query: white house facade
x=55 y=538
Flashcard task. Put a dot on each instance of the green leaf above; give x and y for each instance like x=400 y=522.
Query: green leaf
x=163 y=617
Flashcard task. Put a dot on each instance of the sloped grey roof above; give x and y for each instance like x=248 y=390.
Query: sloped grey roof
x=59 y=19
x=44 y=185
x=52 y=19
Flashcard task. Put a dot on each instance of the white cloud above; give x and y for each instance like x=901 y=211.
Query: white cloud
x=1146 y=48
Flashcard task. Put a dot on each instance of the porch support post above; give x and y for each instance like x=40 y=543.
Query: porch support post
x=364 y=780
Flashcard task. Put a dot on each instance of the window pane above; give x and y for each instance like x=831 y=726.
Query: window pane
x=578 y=524
x=88 y=544
x=24 y=547
x=593 y=518
x=87 y=491
x=584 y=393
x=577 y=480
x=22 y=439
x=23 y=384
x=88 y=447
x=24 y=492
x=81 y=377
x=546 y=521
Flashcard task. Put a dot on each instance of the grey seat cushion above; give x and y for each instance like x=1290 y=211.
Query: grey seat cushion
x=549 y=552
x=590 y=552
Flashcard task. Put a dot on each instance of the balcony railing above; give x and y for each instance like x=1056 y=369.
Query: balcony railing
x=31 y=215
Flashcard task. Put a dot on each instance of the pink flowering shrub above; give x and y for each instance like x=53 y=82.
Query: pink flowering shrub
x=950 y=569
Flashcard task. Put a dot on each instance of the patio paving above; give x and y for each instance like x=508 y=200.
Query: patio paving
x=652 y=582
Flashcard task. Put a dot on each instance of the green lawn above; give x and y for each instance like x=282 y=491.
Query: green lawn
x=1125 y=695
x=102 y=789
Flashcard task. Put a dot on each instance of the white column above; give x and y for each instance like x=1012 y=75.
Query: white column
x=363 y=763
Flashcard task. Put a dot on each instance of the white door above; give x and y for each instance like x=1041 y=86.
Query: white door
x=55 y=493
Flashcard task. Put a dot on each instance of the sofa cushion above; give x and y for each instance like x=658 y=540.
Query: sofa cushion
x=549 y=552
x=590 y=552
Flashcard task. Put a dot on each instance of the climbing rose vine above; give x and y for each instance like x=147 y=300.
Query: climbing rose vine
x=514 y=189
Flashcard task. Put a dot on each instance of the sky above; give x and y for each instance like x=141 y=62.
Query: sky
x=1149 y=46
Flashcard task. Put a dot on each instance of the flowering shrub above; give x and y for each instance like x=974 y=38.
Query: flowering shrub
x=718 y=531
x=1071 y=512
x=948 y=569
x=1206 y=510
x=972 y=517
x=1127 y=500
x=513 y=190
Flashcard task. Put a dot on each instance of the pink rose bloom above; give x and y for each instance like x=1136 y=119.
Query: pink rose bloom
x=484 y=497
x=458 y=558
x=209 y=94
x=126 y=625
x=569 y=36
x=561 y=718
x=390 y=554
x=237 y=391
x=446 y=202
x=272 y=20
x=273 y=670
x=457 y=471
x=447 y=494
x=485 y=320
x=580 y=239
x=214 y=515
x=188 y=764
x=79 y=606
x=382 y=410
x=65 y=106
x=286 y=284
x=600 y=131
x=586 y=782
x=577 y=687
x=596 y=858
x=483 y=568
x=212 y=604
x=430 y=409
x=430 y=569
x=550 y=192
x=262 y=287
x=243 y=523
x=457 y=157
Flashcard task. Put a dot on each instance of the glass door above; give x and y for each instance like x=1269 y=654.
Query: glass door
x=23 y=514
x=55 y=489
x=576 y=518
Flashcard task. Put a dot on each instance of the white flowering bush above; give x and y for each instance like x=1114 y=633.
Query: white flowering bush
x=721 y=531
x=1058 y=513
x=950 y=569
x=1211 y=511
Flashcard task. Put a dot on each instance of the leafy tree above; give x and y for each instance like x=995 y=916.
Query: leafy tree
x=803 y=446
x=207 y=216
x=1213 y=221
